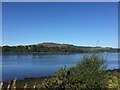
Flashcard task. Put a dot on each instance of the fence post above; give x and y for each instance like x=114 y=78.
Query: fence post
x=1 y=85
x=25 y=86
x=34 y=86
x=8 y=87
x=13 y=87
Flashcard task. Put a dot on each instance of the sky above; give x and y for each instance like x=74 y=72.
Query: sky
x=82 y=24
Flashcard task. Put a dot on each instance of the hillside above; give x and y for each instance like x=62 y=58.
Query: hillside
x=50 y=47
x=51 y=44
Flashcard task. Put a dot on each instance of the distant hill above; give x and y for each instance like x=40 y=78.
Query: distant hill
x=51 y=44
x=50 y=47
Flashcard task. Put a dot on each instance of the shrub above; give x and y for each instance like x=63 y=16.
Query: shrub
x=87 y=74
x=90 y=72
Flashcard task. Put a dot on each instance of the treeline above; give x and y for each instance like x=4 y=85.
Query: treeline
x=44 y=49
x=35 y=48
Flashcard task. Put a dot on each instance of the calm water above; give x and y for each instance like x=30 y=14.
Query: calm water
x=22 y=66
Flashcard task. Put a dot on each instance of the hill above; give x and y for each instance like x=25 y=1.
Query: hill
x=50 y=47
x=51 y=44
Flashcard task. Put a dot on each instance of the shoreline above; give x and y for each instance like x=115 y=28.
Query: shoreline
x=28 y=78
x=31 y=82
x=49 y=53
x=44 y=77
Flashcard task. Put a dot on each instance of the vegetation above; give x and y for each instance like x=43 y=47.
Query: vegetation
x=112 y=82
x=41 y=49
x=54 y=48
x=89 y=73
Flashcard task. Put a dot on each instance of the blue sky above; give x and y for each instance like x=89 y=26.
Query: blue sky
x=71 y=23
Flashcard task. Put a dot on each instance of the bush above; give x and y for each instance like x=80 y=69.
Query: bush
x=90 y=72
x=87 y=74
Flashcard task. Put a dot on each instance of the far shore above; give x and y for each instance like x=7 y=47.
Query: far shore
x=48 y=53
